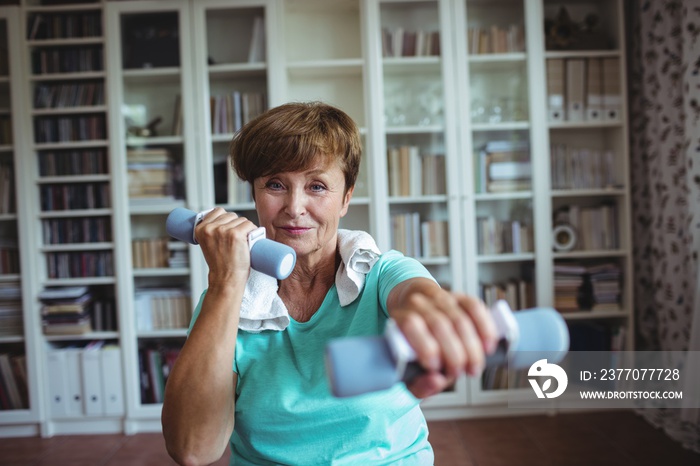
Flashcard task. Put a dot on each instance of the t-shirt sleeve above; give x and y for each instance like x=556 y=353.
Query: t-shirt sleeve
x=195 y=313
x=394 y=269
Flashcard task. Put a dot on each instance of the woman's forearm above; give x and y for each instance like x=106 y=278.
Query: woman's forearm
x=198 y=408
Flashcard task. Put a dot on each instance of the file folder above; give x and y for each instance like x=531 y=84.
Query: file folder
x=92 y=382
x=112 y=382
x=575 y=89
x=594 y=90
x=555 y=90
x=612 y=97
x=58 y=383
x=73 y=370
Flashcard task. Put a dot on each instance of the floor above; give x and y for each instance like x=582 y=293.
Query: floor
x=591 y=439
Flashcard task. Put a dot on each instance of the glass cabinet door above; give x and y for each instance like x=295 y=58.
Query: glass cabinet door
x=234 y=74
x=158 y=167
x=415 y=126
x=324 y=61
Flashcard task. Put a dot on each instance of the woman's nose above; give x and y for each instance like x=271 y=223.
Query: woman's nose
x=295 y=203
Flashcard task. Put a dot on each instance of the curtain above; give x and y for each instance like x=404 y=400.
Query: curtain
x=664 y=108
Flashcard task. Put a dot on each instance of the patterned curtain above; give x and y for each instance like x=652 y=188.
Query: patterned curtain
x=664 y=71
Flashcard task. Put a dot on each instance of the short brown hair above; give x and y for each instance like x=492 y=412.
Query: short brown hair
x=292 y=137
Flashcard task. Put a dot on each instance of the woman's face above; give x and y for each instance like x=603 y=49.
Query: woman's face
x=303 y=209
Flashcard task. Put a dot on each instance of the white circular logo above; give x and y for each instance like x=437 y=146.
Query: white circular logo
x=543 y=370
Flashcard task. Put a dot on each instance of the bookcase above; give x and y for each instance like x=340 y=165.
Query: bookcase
x=492 y=148
x=19 y=400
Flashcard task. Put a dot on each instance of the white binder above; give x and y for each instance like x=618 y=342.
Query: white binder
x=112 y=383
x=594 y=90
x=575 y=89
x=612 y=97
x=92 y=382
x=58 y=383
x=73 y=379
x=555 y=90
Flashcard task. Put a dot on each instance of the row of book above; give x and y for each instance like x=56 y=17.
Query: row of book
x=229 y=112
x=74 y=196
x=76 y=310
x=64 y=25
x=400 y=42
x=62 y=95
x=7 y=188
x=11 y=321
x=9 y=256
x=5 y=131
x=582 y=168
x=417 y=238
x=13 y=382
x=85 y=380
x=594 y=227
x=77 y=230
x=72 y=128
x=162 y=308
x=150 y=253
x=80 y=264
x=496 y=39
x=67 y=60
x=73 y=162
x=503 y=236
x=518 y=293
x=595 y=287
x=503 y=166
x=414 y=174
x=155 y=364
x=583 y=89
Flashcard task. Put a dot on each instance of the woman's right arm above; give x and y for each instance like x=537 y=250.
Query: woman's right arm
x=199 y=404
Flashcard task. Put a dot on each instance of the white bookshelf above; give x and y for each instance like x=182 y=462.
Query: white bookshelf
x=312 y=50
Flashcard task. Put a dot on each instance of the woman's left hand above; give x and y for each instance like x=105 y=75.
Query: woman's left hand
x=450 y=332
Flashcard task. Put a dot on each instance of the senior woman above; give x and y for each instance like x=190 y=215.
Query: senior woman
x=275 y=406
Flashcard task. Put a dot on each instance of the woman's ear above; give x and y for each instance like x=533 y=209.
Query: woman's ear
x=346 y=201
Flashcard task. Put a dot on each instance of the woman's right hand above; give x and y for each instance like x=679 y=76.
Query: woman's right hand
x=223 y=237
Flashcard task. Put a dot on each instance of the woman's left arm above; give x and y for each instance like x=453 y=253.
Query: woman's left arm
x=450 y=332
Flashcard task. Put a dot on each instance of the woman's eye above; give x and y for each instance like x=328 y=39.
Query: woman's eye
x=274 y=185
x=317 y=187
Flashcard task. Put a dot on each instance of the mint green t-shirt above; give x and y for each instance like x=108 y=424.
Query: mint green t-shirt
x=285 y=412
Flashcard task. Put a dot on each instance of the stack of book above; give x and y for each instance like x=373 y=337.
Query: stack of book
x=503 y=166
x=150 y=173
x=414 y=174
x=605 y=286
x=66 y=310
x=568 y=282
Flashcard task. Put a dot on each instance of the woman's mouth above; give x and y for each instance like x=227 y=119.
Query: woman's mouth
x=295 y=230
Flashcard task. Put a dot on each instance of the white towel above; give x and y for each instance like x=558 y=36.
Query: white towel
x=263 y=309
x=358 y=253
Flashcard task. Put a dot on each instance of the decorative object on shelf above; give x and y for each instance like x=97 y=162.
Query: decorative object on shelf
x=146 y=131
x=563 y=33
x=563 y=237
